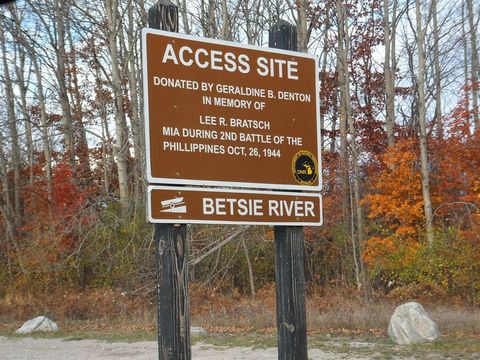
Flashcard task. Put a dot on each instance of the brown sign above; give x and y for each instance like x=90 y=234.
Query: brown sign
x=224 y=114
x=169 y=204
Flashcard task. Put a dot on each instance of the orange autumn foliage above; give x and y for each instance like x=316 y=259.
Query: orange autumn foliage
x=50 y=228
x=397 y=196
x=395 y=248
x=395 y=207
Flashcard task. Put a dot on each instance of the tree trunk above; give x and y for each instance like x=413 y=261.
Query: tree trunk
x=427 y=203
x=389 y=77
x=107 y=153
x=22 y=87
x=302 y=30
x=323 y=70
x=121 y=144
x=225 y=22
x=342 y=116
x=44 y=130
x=12 y=126
x=355 y=248
x=438 y=83
x=81 y=141
x=7 y=211
x=182 y=6
x=250 y=268
x=248 y=22
x=475 y=65
x=137 y=130
x=42 y=107
x=211 y=23
x=465 y=66
x=60 y=72
x=347 y=118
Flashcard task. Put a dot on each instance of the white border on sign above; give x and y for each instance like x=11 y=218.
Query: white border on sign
x=200 y=182
x=241 y=191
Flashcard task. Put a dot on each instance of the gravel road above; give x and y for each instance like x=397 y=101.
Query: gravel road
x=59 y=349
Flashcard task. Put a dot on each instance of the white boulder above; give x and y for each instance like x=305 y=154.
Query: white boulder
x=40 y=323
x=411 y=324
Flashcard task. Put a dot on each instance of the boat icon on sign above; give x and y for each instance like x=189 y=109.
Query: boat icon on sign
x=175 y=205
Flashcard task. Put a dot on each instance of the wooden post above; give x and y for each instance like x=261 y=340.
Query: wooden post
x=171 y=249
x=163 y=16
x=172 y=292
x=289 y=254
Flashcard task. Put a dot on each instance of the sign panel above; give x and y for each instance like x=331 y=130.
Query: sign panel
x=167 y=204
x=225 y=114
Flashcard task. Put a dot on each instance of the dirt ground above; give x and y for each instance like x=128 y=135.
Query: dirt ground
x=61 y=349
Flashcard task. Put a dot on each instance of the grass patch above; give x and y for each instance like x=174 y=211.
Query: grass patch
x=75 y=335
x=382 y=348
x=253 y=340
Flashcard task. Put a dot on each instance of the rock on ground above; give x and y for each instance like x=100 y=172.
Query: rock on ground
x=198 y=331
x=411 y=324
x=40 y=323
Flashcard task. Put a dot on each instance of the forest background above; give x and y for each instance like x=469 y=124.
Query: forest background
x=400 y=139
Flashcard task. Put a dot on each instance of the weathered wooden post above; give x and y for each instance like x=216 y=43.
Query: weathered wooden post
x=171 y=249
x=289 y=253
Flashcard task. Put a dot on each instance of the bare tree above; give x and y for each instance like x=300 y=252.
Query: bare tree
x=302 y=30
x=475 y=65
x=22 y=87
x=389 y=69
x=137 y=129
x=465 y=61
x=40 y=91
x=427 y=202
x=80 y=140
x=12 y=126
x=182 y=8
x=437 y=73
x=346 y=122
x=121 y=144
x=60 y=72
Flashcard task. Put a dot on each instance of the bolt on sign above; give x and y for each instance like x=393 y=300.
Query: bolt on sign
x=169 y=204
x=226 y=114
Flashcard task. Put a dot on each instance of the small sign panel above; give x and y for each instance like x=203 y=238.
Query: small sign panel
x=169 y=204
x=226 y=114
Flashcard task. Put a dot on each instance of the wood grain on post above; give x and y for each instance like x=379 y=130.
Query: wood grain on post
x=289 y=253
x=173 y=304
x=163 y=16
x=172 y=292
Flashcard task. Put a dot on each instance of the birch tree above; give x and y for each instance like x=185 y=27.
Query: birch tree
x=437 y=73
x=121 y=144
x=466 y=75
x=302 y=30
x=20 y=58
x=40 y=97
x=12 y=126
x=346 y=122
x=58 y=43
x=79 y=133
x=427 y=202
x=389 y=68
x=475 y=67
x=137 y=129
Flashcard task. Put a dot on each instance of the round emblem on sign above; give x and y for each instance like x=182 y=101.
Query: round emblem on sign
x=304 y=168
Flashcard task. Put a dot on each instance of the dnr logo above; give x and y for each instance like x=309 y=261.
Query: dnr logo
x=304 y=168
